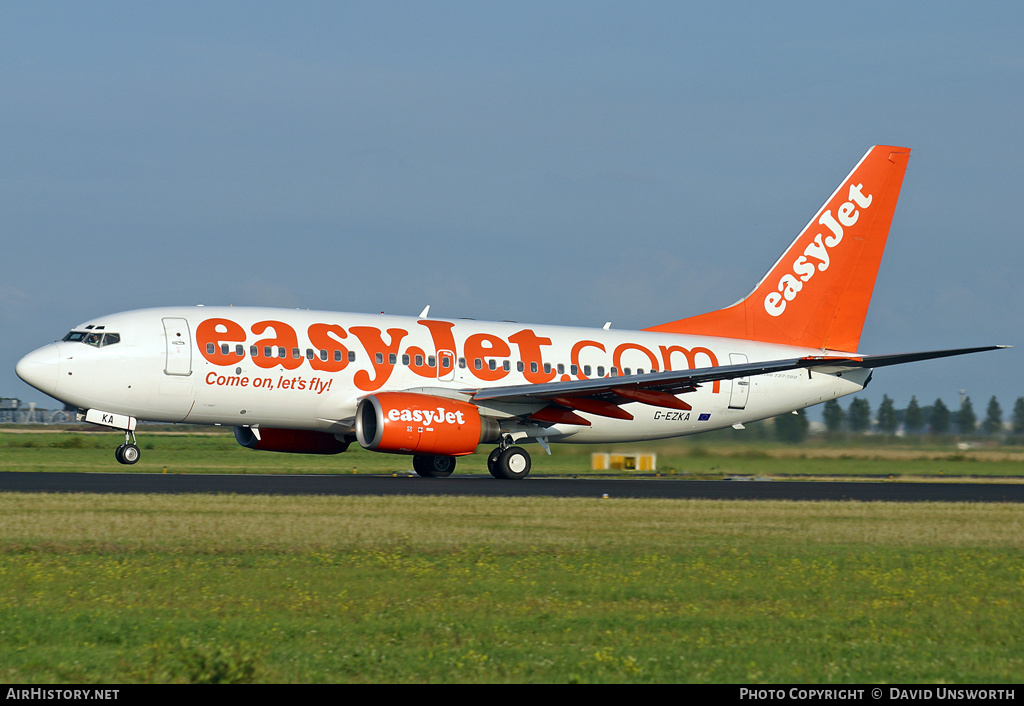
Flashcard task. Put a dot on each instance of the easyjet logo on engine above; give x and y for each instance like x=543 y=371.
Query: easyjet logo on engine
x=816 y=256
x=427 y=416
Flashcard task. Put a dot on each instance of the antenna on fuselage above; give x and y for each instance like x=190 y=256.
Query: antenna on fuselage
x=426 y=309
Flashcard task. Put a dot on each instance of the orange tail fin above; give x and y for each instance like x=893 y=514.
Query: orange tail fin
x=817 y=294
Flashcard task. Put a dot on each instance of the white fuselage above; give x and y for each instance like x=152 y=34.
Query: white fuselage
x=300 y=369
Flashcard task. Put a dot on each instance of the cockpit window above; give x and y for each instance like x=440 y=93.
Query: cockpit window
x=93 y=338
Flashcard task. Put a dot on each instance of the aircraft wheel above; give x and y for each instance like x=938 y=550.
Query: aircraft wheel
x=433 y=466
x=127 y=454
x=513 y=464
x=492 y=462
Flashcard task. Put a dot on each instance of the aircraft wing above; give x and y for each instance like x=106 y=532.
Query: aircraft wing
x=603 y=395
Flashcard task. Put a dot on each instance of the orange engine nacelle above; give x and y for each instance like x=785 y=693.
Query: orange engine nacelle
x=295 y=441
x=410 y=423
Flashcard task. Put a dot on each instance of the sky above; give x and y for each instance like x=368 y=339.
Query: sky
x=544 y=162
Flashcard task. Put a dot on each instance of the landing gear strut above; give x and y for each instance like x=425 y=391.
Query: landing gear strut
x=128 y=452
x=508 y=462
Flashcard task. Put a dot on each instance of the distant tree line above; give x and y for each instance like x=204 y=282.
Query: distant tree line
x=935 y=419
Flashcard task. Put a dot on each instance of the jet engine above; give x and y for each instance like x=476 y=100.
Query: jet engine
x=411 y=423
x=295 y=441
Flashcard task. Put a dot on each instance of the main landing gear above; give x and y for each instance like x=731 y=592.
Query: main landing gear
x=128 y=452
x=508 y=462
x=433 y=466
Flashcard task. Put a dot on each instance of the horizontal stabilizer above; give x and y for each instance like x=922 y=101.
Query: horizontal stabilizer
x=823 y=363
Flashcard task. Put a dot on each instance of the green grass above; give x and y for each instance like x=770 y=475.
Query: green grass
x=131 y=589
x=705 y=456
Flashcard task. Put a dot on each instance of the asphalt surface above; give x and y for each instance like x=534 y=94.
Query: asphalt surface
x=883 y=491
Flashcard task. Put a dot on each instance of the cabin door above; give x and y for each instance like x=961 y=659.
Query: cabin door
x=179 y=347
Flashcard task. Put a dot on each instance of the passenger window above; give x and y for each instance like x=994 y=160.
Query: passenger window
x=406 y=358
x=478 y=364
x=506 y=365
x=210 y=349
x=419 y=360
x=431 y=361
x=239 y=349
x=379 y=358
x=351 y=356
x=600 y=371
x=547 y=367
x=574 y=370
x=586 y=371
x=520 y=366
x=392 y=358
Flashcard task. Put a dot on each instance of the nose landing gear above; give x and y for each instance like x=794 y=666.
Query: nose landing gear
x=128 y=453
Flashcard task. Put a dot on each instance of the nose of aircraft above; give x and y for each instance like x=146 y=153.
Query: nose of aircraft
x=40 y=367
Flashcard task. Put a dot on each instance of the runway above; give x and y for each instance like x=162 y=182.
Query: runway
x=478 y=485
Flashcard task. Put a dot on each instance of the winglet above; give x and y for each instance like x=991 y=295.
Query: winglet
x=818 y=292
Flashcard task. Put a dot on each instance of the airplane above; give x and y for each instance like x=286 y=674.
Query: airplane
x=315 y=381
